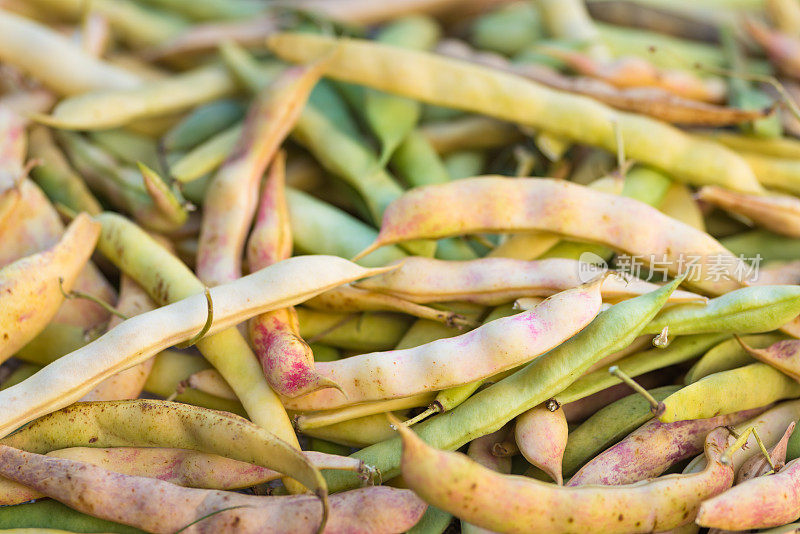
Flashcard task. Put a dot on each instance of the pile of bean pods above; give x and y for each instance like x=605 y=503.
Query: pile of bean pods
x=385 y=266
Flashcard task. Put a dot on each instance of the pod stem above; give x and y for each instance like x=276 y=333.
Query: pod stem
x=741 y=440
x=655 y=406
x=86 y=296
x=433 y=409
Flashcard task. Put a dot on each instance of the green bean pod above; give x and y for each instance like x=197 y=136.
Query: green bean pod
x=490 y=409
x=680 y=350
x=609 y=425
x=747 y=310
x=739 y=389
x=729 y=355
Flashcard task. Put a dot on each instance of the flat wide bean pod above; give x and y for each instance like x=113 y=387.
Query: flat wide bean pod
x=54 y=60
x=652 y=449
x=762 y=502
x=93 y=490
x=743 y=388
x=490 y=409
x=70 y=377
x=31 y=287
x=497 y=204
x=493 y=281
x=747 y=310
x=607 y=426
x=148 y=423
x=446 y=82
x=452 y=482
x=490 y=349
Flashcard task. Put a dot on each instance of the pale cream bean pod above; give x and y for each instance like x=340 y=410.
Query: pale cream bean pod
x=483 y=352
x=497 y=204
x=454 y=483
x=541 y=435
x=493 y=281
x=69 y=378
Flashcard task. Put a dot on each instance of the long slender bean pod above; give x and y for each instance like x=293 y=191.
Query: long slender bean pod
x=53 y=59
x=490 y=409
x=493 y=281
x=474 y=88
x=183 y=467
x=454 y=483
x=99 y=110
x=728 y=355
x=232 y=196
x=95 y=491
x=142 y=423
x=66 y=380
x=496 y=204
x=651 y=449
x=783 y=355
x=747 y=310
x=494 y=347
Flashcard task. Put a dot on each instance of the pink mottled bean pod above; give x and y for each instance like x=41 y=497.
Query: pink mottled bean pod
x=652 y=449
x=497 y=204
x=541 y=436
x=483 y=352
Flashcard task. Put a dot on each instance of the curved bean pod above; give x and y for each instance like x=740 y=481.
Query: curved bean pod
x=493 y=281
x=454 y=483
x=287 y=360
x=747 y=310
x=142 y=423
x=496 y=204
x=450 y=83
x=183 y=467
x=541 y=436
x=651 y=449
x=761 y=502
x=779 y=213
x=783 y=355
x=31 y=289
x=494 y=347
x=607 y=426
x=93 y=490
x=731 y=391
x=232 y=196
x=480 y=451
x=69 y=378
x=490 y=409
